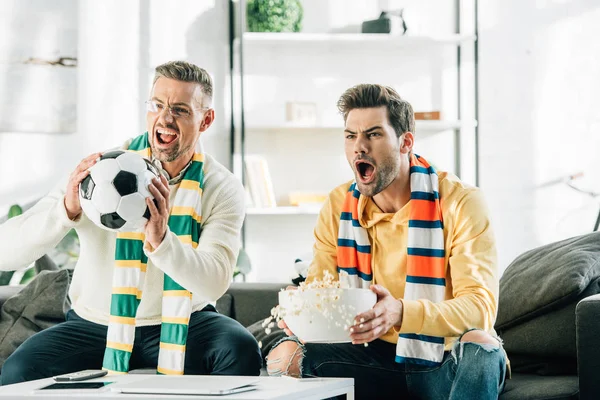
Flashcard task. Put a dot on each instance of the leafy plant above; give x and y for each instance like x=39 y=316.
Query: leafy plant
x=243 y=265
x=274 y=15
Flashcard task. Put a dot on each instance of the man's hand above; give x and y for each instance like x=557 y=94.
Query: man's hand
x=72 y=203
x=373 y=324
x=156 y=228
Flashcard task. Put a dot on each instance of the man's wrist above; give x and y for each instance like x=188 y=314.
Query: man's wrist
x=73 y=217
x=398 y=323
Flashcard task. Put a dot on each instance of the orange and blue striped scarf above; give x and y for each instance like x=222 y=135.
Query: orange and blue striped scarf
x=425 y=277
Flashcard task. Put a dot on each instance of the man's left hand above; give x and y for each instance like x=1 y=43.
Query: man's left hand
x=373 y=324
x=156 y=228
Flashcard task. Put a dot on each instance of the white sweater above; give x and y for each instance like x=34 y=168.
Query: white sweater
x=205 y=271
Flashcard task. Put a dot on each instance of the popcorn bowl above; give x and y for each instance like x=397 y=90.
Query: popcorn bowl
x=323 y=315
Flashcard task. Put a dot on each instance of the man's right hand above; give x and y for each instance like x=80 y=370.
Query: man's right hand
x=72 y=203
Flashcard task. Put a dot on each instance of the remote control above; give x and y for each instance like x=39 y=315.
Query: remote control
x=80 y=376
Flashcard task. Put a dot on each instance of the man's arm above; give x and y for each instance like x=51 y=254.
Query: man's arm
x=474 y=275
x=325 y=247
x=207 y=270
x=29 y=236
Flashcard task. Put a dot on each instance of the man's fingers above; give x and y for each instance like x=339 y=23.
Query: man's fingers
x=160 y=199
x=79 y=178
x=366 y=326
x=368 y=315
x=368 y=332
x=153 y=210
x=164 y=180
x=162 y=186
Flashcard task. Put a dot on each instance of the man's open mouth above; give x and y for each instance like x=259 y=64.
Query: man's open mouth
x=365 y=171
x=165 y=136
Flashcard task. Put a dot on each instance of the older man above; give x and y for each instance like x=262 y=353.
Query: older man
x=170 y=323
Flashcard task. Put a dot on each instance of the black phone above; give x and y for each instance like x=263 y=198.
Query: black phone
x=75 y=385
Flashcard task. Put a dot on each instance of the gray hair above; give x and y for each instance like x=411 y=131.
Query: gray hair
x=186 y=72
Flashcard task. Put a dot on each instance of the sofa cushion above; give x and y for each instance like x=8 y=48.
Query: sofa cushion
x=547 y=278
x=534 y=387
x=39 y=305
x=223 y=305
x=538 y=295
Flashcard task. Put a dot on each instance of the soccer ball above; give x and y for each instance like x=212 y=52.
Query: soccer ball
x=113 y=195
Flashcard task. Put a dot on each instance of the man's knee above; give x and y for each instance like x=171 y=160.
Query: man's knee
x=17 y=369
x=245 y=353
x=286 y=359
x=478 y=336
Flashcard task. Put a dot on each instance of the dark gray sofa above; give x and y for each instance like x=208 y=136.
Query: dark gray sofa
x=251 y=302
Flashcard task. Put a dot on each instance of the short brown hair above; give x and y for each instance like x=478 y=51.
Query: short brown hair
x=186 y=72
x=366 y=95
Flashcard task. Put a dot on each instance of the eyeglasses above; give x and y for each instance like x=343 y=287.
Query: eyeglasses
x=176 y=111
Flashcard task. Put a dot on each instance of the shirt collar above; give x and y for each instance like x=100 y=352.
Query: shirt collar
x=174 y=180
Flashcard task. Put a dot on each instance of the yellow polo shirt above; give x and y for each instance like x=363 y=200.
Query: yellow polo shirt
x=472 y=279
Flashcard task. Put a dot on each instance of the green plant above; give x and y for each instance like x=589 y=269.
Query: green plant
x=274 y=15
x=243 y=265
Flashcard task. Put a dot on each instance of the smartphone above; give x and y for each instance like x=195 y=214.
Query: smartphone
x=75 y=386
x=80 y=375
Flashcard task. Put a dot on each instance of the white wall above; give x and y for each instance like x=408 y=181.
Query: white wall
x=35 y=97
x=539 y=118
x=119 y=44
x=538 y=101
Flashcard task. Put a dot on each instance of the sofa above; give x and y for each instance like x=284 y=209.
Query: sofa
x=252 y=302
x=549 y=318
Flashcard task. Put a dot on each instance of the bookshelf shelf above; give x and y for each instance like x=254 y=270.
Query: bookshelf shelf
x=289 y=210
x=370 y=39
x=428 y=127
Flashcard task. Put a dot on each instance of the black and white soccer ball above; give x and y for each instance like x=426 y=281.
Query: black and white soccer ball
x=113 y=195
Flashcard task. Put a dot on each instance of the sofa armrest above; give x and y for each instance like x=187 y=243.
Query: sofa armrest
x=588 y=346
x=253 y=301
x=8 y=291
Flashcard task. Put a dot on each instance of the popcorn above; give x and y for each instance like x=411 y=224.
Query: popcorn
x=324 y=304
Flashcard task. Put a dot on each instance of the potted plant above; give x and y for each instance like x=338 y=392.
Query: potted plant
x=274 y=15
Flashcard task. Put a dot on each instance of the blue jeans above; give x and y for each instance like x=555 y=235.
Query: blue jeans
x=470 y=371
x=216 y=344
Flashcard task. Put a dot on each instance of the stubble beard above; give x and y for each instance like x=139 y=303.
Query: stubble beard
x=168 y=155
x=387 y=170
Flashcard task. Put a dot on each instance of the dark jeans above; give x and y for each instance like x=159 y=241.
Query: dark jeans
x=216 y=345
x=470 y=371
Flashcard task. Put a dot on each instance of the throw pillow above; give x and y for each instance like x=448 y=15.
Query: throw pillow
x=538 y=295
x=39 y=305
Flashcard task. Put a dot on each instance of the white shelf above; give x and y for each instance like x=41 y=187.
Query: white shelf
x=289 y=210
x=427 y=126
x=271 y=38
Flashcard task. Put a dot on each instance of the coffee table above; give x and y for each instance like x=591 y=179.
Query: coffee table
x=268 y=388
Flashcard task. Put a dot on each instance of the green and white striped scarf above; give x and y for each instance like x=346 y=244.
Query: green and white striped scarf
x=130 y=269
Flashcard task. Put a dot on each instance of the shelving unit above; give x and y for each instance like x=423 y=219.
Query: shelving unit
x=373 y=39
x=266 y=125
x=427 y=127
x=285 y=210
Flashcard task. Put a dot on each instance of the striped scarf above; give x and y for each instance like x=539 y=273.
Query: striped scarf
x=425 y=277
x=130 y=270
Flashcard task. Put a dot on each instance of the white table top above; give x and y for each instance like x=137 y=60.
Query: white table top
x=270 y=388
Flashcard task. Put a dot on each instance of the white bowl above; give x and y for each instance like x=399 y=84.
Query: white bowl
x=323 y=315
